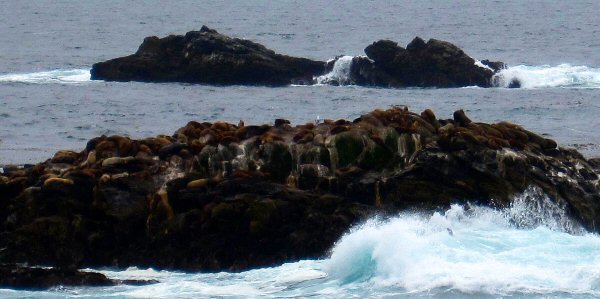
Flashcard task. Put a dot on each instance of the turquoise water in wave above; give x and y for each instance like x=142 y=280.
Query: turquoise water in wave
x=531 y=249
x=48 y=103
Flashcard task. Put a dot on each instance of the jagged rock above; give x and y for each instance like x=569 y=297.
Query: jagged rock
x=207 y=56
x=243 y=196
x=434 y=63
x=383 y=51
x=496 y=66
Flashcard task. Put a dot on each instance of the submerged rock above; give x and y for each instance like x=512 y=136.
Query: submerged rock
x=21 y=277
x=219 y=196
x=209 y=57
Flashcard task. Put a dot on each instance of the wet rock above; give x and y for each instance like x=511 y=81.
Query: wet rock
x=383 y=51
x=31 y=278
x=42 y=278
x=496 y=66
x=434 y=63
x=206 y=56
x=275 y=193
x=514 y=83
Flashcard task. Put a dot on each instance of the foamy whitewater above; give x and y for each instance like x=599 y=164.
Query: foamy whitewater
x=545 y=76
x=528 y=249
x=529 y=77
x=48 y=103
x=56 y=76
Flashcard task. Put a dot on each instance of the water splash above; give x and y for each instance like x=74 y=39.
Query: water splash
x=72 y=76
x=481 y=65
x=523 y=249
x=340 y=74
x=467 y=251
x=545 y=76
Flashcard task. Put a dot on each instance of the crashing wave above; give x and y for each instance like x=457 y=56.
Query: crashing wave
x=340 y=74
x=525 y=248
x=545 y=76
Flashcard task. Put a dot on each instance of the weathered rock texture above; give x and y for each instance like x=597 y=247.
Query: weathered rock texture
x=218 y=196
x=206 y=56
x=434 y=63
x=209 y=57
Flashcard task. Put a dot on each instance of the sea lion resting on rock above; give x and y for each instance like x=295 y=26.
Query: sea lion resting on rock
x=219 y=196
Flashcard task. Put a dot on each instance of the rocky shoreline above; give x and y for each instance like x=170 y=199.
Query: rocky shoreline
x=208 y=57
x=231 y=197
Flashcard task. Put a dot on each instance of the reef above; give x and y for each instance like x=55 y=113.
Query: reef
x=22 y=277
x=208 y=57
x=221 y=196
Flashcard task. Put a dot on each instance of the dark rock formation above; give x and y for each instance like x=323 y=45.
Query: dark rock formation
x=43 y=278
x=422 y=64
x=218 y=196
x=21 y=277
x=207 y=56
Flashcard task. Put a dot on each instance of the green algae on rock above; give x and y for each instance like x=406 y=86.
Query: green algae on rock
x=219 y=196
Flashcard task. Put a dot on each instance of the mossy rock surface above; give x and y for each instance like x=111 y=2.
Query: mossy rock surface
x=278 y=160
x=349 y=146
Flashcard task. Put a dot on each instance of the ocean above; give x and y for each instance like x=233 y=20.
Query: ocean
x=48 y=103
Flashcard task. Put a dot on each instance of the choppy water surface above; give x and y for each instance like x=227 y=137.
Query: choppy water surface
x=47 y=103
x=47 y=48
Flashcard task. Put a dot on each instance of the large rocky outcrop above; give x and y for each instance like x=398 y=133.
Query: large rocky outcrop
x=218 y=196
x=434 y=63
x=209 y=57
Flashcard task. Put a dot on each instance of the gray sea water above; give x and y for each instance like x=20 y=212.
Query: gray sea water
x=47 y=103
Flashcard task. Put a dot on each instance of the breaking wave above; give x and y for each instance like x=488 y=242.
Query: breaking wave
x=529 y=249
x=545 y=76
x=72 y=76
x=340 y=74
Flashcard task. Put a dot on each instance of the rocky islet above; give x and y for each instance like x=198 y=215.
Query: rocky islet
x=209 y=57
x=219 y=196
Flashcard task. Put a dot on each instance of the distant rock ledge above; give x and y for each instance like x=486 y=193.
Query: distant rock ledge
x=219 y=196
x=37 y=278
x=209 y=57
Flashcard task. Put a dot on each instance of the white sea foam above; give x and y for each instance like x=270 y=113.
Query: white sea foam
x=473 y=250
x=480 y=64
x=63 y=76
x=545 y=76
x=340 y=74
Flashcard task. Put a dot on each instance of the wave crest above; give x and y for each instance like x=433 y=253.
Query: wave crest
x=524 y=248
x=545 y=76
